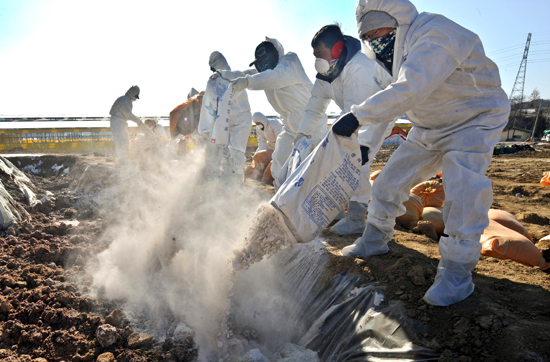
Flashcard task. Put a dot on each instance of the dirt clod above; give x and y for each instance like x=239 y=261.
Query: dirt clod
x=106 y=335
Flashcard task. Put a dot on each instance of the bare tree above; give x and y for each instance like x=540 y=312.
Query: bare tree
x=534 y=95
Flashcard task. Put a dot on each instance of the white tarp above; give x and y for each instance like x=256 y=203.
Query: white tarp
x=320 y=188
x=8 y=212
x=20 y=179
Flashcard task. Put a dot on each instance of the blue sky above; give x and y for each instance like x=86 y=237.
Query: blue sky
x=71 y=57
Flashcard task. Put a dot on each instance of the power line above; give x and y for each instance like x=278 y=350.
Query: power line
x=506 y=49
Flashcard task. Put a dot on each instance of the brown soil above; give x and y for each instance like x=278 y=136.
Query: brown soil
x=507 y=318
x=45 y=316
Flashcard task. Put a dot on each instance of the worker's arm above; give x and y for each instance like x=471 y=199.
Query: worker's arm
x=262 y=142
x=283 y=75
x=125 y=107
x=316 y=107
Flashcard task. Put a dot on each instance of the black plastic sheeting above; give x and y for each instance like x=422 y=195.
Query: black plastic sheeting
x=336 y=318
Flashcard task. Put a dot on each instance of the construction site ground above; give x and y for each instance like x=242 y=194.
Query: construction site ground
x=46 y=316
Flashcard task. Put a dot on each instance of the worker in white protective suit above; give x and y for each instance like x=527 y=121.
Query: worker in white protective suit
x=346 y=76
x=121 y=111
x=287 y=88
x=240 y=123
x=157 y=129
x=451 y=93
x=267 y=130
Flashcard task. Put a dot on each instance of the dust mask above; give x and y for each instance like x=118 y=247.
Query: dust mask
x=322 y=66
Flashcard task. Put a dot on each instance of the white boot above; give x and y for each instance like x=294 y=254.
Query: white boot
x=373 y=242
x=453 y=281
x=354 y=222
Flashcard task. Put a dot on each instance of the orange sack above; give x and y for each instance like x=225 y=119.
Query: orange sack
x=262 y=158
x=268 y=178
x=260 y=162
x=374 y=175
x=504 y=218
x=414 y=212
x=431 y=193
x=501 y=242
x=435 y=216
x=545 y=181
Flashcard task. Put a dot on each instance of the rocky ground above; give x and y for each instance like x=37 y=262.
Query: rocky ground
x=45 y=315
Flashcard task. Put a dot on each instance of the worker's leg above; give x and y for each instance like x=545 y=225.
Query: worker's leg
x=213 y=160
x=468 y=197
x=239 y=133
x=119 y=129
x=283 y=149
x=410 y=164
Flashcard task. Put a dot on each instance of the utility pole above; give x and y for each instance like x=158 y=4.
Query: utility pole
x=536 y=120
x=516 y=96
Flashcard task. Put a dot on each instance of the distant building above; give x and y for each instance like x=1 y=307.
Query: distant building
x=514 y=134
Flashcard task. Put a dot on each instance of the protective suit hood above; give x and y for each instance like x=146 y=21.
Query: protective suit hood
x=403 y=11
x=133 y=92
x=259 y=117
x=218 y=61
x=278 y=46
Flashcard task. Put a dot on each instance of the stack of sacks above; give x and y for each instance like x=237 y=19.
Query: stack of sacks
x=433 y=198
x=435 y=216
x=424 y=203
x=431 y=193
x=261 y=167
x=413 y=214
x=506 y=238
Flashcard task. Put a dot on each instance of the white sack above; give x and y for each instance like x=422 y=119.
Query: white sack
x=321 y=186
x=220 y=131
x=216 y=102
x=301 y=150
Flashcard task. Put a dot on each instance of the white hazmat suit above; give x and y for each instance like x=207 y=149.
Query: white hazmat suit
x=452 y=95
x=359 y=79
x=160 y=132
x=240 y=118
x=288 y=89
x=267 y=137
x=121 y=111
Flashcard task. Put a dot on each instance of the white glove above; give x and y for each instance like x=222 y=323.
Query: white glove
x=298 y=137
x=240 y=84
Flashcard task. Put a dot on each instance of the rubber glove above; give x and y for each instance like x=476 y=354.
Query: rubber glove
x=298 y=137
x=218 y=74
x=240 y=84
x=345 y=125
x=364 y=155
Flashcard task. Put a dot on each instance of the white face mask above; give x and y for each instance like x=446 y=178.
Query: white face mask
x=322 y=66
